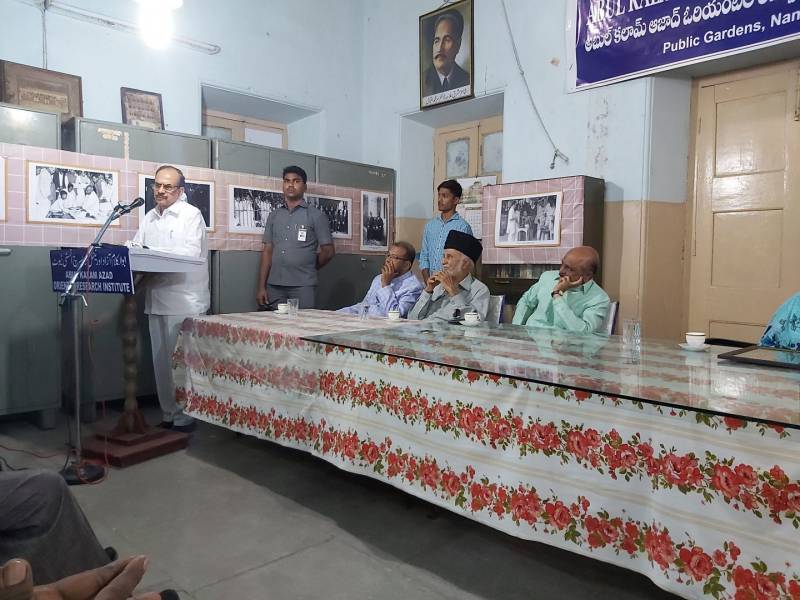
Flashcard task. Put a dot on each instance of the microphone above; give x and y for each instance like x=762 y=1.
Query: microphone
x=124 y=210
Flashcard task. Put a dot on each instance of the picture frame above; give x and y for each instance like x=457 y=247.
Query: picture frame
x=375 y=217
x=53 y=194
x=339 y=212
x=530 y=220
x=3 y=179
x=199 y=194
x=473 y=188
x=141 y=109
x=446 y=62
x=42 y=89
x=249 y=207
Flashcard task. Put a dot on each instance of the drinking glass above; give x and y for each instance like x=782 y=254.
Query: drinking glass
x=363 y=311
x=294 y=306
x=631 y=332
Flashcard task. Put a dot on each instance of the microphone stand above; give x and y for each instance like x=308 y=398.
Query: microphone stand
x=78 y=472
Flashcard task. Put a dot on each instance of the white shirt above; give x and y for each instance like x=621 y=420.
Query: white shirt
x=180 y=229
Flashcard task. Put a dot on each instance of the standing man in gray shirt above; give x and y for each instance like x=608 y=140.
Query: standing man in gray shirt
x=297 y=242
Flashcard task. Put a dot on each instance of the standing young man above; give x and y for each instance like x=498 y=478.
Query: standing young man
x=437 y=229
x=297 y=242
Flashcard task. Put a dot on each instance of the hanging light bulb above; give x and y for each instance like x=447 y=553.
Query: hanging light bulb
x=156 y=21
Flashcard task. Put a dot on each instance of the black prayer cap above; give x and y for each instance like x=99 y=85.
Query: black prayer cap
x=464 y=243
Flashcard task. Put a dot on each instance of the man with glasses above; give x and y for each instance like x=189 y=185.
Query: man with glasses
x=396 y=288
x=172 y=225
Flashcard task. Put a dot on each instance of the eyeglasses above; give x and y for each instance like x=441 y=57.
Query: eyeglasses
x=164 y=186
x=396 y=257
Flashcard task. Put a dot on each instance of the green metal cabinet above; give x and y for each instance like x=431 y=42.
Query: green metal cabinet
x=29 y=127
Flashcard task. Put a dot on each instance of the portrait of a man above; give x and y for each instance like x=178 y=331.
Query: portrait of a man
x=446 y=54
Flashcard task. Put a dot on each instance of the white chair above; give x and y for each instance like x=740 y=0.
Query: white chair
x=495 y=313
x=610 y=321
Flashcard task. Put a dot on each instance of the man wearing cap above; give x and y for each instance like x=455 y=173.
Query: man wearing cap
x=453 y=291
x=297 y=243
x=567 y=299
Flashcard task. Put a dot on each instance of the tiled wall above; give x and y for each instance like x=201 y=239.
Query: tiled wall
x=571 y=221
x=15 y=231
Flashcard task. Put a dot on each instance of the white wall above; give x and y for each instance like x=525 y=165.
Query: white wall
x=304 y=52
x=605 y=131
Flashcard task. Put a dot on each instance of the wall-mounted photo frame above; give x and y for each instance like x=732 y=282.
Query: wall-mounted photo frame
x=446 y=51
x=142 y=109
x=42 y=89
x=70 y=195
x=339 y=212
x=249 y=207
x=3 y=179
x=199 y=194
x=374 y=222
x=533 y=220
x=473 y=188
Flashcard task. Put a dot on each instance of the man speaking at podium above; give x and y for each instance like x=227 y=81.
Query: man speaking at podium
x=174 y=226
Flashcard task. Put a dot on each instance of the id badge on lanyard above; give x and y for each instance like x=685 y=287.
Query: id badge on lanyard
x=302 y=232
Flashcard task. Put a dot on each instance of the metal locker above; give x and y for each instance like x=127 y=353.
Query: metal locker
x=29 y=127
x=279 y=159
x=240 y=157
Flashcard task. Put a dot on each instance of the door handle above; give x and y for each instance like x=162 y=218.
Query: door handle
x=6 y=251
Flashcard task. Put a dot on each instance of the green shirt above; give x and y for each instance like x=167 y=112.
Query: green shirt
x=581 y=310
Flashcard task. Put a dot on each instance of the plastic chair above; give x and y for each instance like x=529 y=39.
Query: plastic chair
x=495 y=313
x=610 y=321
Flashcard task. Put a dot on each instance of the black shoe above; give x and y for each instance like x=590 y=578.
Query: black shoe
x=169 y=595
x=165 y=425
x=188 y=428
x=111 y=553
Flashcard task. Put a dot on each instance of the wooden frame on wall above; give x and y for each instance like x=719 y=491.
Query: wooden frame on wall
x=141 y=109
x=442 y=51
x=42 y=89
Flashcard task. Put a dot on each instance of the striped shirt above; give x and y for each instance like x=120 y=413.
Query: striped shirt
x=433 y=238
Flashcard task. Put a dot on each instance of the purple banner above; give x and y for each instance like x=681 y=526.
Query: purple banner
x=108 y=270
x=622 y=39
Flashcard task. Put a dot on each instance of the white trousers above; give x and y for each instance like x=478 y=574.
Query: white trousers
x=164 y=331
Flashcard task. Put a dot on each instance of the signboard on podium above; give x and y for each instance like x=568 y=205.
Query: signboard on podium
x=108 y=270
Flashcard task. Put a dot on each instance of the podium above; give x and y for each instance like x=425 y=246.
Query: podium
x=132 y=440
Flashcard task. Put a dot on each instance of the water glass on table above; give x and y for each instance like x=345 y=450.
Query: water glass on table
x=294 y=306
x=363 y=311
x=631 y=332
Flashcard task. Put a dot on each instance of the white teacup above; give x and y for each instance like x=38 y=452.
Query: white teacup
x=283 y=308
x=695 y=338
x=472 y=317
x=394 y=315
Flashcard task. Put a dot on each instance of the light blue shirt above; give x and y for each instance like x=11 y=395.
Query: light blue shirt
x=783 y=330
x=433 y=238
x=401 y=294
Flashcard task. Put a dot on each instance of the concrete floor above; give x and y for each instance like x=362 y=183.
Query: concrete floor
x=235 y=517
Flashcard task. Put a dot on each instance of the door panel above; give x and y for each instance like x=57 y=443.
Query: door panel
x=747 y=201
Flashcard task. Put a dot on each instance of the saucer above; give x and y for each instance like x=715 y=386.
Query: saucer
x=469 y=324
x=700 y=348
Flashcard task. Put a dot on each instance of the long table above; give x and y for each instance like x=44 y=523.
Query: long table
x=674 y=464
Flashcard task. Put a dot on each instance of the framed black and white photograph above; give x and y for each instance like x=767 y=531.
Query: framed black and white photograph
x=533 y=220
x=374 y=221
x=70 y=195
x=248 y=208
x=199 y=194
x=446 y=53
x=2 y=189
x=339 y=213
x=142 y=109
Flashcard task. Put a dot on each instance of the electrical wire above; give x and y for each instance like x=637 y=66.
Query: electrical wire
x=557 y=153
x=45 y=6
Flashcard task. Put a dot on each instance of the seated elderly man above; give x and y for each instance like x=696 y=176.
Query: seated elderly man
x=567 y=299
x=396 y=288
x=453 y=291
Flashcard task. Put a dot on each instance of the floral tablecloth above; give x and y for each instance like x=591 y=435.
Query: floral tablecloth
x=706 y=505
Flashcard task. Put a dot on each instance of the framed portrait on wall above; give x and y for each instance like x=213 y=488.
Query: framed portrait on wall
x=199 y=194
x=70 y=195
x=339 y=212
x=42 y=89
x=446 y=54
x=374 y=222
x=2 y=189
x=533 y=220
x=248 y=208
x=142 y=109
